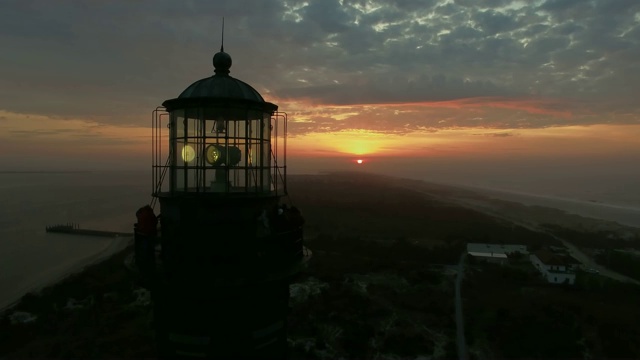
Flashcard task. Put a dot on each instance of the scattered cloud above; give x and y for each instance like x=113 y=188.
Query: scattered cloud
x=499 y=134
x=515 y=64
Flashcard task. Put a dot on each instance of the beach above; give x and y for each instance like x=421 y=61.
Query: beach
x=17 y=281
x=623 y=214
x=30 y=258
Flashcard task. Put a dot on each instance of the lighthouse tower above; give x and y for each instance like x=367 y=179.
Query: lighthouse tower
x=229 y=248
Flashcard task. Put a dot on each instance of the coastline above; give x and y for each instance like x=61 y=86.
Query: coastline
x=622 y=214
x=533 y=208
x=65 y=270
x=101 y=312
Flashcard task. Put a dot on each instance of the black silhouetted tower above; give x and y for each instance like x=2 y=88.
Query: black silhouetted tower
x=228 y=248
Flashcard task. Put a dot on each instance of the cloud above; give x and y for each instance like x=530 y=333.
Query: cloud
x=500 y=134
x=65 y=132
x=113 y=62
x=433 y=116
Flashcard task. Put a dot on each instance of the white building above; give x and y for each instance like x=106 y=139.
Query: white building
x=495 y=253
x=553 y=268
x=496 y=248
x=489 y=257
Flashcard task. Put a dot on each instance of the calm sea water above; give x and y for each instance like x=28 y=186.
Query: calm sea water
x=31 y=258
x=613 y=198
x=625 y=213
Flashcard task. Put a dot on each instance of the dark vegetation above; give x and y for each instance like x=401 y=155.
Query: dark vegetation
x=614 y=251
x=620 y=261
x=379 y=208
x=375 y=301
x=596 y=239
x=105 y=323
x=380 y=284
x=511 y=313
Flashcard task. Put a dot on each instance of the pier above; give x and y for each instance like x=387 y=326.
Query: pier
x=74 y=229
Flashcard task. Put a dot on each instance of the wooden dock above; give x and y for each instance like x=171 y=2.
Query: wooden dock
x=74 y=229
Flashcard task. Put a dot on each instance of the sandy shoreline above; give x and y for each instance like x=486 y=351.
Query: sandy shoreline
x=62 y=271
x=599 y=211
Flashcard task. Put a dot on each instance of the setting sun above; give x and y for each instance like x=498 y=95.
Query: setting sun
x=359 y=161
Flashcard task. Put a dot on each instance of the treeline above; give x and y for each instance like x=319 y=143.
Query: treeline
x=619 y=261
x=393 y=251
x=511 y=314
x=346 y=207
x=594 y=239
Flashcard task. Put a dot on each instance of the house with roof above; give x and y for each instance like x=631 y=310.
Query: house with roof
x=554 y=267
x=494 y=253
x=572 y=263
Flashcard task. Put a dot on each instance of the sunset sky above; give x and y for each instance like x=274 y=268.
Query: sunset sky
x=462 y=87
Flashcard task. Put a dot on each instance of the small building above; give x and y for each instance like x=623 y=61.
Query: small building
x=494 y=253
x=496 y=258
x=554 y=268
x=497 y=248
x=572 y=263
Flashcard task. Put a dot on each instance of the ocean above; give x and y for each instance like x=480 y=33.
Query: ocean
x=622 y=212
x=31 y=258
x=598 y=190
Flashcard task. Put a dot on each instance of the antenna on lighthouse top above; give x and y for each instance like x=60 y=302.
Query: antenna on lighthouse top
x=222 y=45
x=222 y=60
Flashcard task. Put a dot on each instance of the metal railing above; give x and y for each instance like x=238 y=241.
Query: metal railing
x=256 y=178
x=158 y=173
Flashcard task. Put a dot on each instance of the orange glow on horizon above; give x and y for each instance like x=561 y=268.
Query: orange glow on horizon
x=82 y=139
x=360 y=142
x=469 y=142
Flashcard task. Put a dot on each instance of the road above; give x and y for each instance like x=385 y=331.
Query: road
x=587 y=261
x=461 y=341
x=574 y=251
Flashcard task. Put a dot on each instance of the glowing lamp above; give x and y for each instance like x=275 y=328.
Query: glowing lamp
x=219 y=154
x=188 y=154
x=212 y=154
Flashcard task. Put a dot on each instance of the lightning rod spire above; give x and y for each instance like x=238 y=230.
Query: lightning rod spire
x=222 y=45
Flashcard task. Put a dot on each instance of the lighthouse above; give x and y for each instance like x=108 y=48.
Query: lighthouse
x=229 y=245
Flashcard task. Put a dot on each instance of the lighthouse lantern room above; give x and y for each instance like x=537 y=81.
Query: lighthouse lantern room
x=220 y=266
x=223 y=140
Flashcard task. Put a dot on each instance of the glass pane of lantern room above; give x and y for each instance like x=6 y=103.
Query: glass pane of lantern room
x=176 y=140
x=266 y=153
x=278 y=151
x=253 y=155
x=192 y=154
x=187 y=152
x=235 y=150
x=214 y=127
x=224 y=149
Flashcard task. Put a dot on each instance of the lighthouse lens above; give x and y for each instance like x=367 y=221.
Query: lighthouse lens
x=213 y=155
x=188 y=154
x=219 y=154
